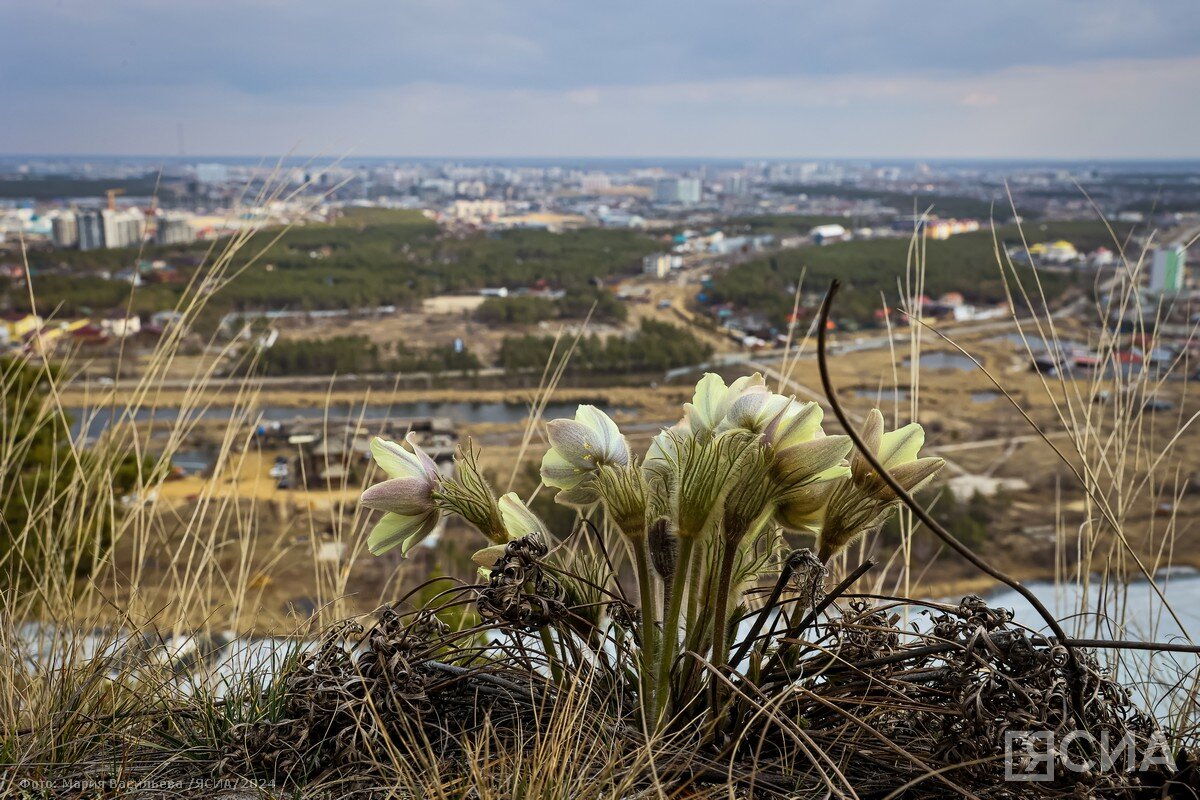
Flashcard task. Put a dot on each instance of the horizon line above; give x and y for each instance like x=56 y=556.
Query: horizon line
x=410 y=157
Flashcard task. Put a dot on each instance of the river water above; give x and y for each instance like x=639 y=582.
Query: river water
x=459 y=412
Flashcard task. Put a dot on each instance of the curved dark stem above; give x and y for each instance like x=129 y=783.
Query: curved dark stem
x=920 y=513
x=785 y=575
x=837 y=591
x=795 y=630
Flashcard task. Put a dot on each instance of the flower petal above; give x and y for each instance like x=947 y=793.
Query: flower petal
x=872 y=435
x=805 y=508
x=915 y=474
x=606 y=437
x=518 y=519
x=705 y=410
x=872 y=430
x=488 y=556
x=560 y=473
x=428 y=465
x=663 y=453
x=797 y=422
x=394 y=460
x=902 y=445
x=755 y=411
x=713 y=399
x=584 y=494
x=747 y=383
x=573 y=441
x=396 y=529
x=802 y=463
x=407 y=496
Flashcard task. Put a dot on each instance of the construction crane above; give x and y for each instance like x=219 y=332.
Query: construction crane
x=112 y=197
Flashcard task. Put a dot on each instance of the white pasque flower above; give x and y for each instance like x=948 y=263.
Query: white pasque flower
x=578 y=448
x=803 y=457
x=862 y=501
x=713 y=401
x=518 y=520
x=406 y=496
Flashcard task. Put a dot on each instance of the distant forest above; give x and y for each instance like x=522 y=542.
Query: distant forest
x=61 y=187
x=368 y=258
x=870 y=269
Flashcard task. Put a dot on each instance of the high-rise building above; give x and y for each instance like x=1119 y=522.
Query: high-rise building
x=174 y=229
x=736 y=184
x=677 y=190
x=90 y=230
x=122 y=228
x=1167 y=270
x=689 y=191
x=64 y=230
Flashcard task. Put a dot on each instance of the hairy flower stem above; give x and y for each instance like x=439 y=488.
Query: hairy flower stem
x=720 y=651
x=700 y=588
x=721 y=626
x=649 y=631
x=670 y=641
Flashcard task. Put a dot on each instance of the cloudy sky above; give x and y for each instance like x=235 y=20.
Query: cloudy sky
x=751 y=78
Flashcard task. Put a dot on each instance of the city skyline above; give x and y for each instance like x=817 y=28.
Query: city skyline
x=1077 y=81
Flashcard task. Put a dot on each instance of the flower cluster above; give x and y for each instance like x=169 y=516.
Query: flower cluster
x=701 y=513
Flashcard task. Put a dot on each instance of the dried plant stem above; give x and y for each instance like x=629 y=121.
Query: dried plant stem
x=793 y=632
x=785 y=575
x=920 y=513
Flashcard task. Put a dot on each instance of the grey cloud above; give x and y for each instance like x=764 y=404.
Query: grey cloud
x=752 y=77
x=262 y=46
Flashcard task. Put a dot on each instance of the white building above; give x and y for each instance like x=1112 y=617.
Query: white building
x=478 y=209
x=119 y=325
x=677 y=190
x=594 y=183
x=826 y=234
x=122 y=228
x=656 y=265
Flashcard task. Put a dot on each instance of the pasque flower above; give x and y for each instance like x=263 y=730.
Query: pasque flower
x=518 y=521
x=407 y=496
x=897 y=452
x=713 y=401
x=801 y=453
x=862 y=501
x=755 y=408
x=804 y=509
x=578 y=448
